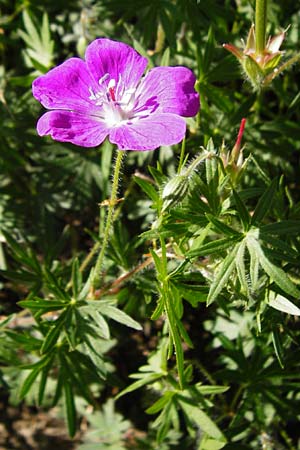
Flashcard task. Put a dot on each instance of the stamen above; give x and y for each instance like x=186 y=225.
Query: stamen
x=92 y=96
x=104 y=78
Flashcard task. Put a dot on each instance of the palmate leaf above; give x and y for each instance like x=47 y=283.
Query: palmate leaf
x=107 y=429
x=40 y=46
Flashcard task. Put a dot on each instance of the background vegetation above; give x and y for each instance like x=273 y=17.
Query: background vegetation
x=196 y=266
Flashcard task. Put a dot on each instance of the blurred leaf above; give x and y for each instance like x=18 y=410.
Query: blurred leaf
x=284 y=305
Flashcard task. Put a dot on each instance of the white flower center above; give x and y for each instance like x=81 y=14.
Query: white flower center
x=117 y=103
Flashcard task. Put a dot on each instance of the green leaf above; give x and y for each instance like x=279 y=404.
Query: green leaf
x=163 y=423
x=275 y=273
x=157 y=260
x=101 y=324
x=41 y=304
x=241 y=269
x=254 y=268
x=165 y=59
x=119 y=316
x=209 y=50
x=147 y=379
x=194 y=294
x=76 y=278
x=284 y=305
x=25 y=258
x=224 y=271
x=157 y=174
x=7 y=321
x=97 y=359
x=265 y=202
x=43 y=381
x=277 y=343
x=216 y=246
x=201 y=419
x=211 y=389
x=70 y=407
x=158 y=310
x=242 y=210
x=54 y=332
x=222 y=227
x=211 y=444
x=26 y=386
x=36 y=369
x=54 y=286
x=160 y=403
x=175 y=336
x=31 y=30
x=147 y=187
x=286 y=227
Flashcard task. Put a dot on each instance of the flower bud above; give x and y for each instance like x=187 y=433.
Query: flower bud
x=260 y=67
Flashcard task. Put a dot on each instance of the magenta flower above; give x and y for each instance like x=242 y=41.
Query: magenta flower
x=106 y=95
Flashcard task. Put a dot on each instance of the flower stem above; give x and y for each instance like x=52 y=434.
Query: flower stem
x=109 y=217
x=182 y=155
x=260 y=25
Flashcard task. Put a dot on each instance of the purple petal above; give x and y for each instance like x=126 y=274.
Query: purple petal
x=115 y=58
x=66 y=126
x=65 y=87
x=172 y=88
x=149 y=133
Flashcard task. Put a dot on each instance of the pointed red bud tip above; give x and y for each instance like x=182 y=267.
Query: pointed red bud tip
x=240 y=134
x=237 y=146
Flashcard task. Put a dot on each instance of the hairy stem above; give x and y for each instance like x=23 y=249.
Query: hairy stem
x=109 y=217
x=260 y=25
